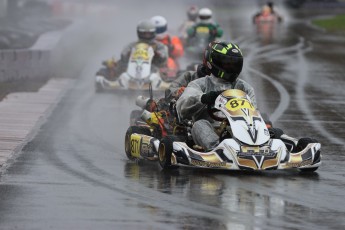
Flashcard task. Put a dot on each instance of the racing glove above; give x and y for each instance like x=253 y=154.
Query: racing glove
x=210 y=97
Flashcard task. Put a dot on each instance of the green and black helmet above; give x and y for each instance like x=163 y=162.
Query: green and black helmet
x=224 y=60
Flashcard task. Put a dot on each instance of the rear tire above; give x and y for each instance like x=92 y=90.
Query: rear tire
x=165 y=152
x=303 y=143
x=130 y=131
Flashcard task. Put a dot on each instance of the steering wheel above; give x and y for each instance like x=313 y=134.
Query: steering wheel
x=212 y=112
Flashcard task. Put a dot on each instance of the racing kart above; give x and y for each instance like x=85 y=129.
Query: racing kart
x=196 y=45
x=245 y=141
x=139 y=75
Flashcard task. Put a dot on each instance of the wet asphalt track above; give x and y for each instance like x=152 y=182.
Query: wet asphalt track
x=75 y=175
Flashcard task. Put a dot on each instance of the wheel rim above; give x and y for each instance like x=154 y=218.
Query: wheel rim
x=162 y=153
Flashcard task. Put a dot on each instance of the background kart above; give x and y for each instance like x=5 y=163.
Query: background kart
x=140 y=73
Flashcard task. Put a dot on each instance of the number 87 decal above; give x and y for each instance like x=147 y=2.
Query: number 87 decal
x=236 y=104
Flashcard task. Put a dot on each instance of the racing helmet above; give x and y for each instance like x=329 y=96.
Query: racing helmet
x=205 y=14
x=224 y=60
x=146 y=30
x=192 y=13
x=161 y=25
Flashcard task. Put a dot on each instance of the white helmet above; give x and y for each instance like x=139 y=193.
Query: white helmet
x=161 y=25
x=205 y=14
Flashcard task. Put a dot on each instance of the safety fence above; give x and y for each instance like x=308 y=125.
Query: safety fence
x=34 y=62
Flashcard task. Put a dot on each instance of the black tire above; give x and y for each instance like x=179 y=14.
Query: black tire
x=303 y=143
x=130 y=131
x=306 y=170
x=165 y=151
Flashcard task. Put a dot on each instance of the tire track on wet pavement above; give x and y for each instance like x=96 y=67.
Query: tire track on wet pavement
x=303 y=103
x=283 y=93
x=71 y=157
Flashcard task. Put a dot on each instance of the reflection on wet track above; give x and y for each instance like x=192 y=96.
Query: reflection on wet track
x=75 y=174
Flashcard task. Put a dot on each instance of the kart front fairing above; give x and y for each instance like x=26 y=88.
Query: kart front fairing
x=231 y=154
x=245 y=121
x=140 y=62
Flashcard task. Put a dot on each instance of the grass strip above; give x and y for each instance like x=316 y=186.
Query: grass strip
x=334 y=24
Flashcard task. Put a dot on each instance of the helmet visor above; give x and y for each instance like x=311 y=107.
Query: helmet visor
x=161 y=29
x=146 y=35
x=228 y=64
x=205 y=17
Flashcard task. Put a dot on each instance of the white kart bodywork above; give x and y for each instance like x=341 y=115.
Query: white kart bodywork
x=139 y=74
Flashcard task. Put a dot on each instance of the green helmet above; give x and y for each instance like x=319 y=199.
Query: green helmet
x=224 y=60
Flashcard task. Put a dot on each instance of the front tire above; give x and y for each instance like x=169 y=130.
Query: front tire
x=130 y=131
x=165 y=152
x=306 y=170
x=302 y=144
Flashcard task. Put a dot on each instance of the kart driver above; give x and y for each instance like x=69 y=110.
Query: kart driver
x=177 y=87
x=224 y=61
x=205 y=25
x=192 y=14
x=173 y=43
x=146 y=32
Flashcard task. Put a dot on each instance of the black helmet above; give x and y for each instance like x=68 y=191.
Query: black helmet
x=146 y=30
x=224 y=60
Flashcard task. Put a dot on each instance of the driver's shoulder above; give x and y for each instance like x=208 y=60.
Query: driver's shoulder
x=242 y=84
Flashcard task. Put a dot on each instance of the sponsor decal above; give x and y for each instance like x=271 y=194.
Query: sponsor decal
x=141 y=52
x=257 y=158
x=208 y=164
x=135 y=145
x=234 y=50
x=203 y=30
x=257 y=152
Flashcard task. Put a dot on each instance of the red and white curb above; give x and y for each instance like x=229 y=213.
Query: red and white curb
x=22 y=113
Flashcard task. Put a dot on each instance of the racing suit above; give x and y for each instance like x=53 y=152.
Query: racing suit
x=174 y=45
x=180 y=83
x=189 y=106
x=176 y=51
x=184 y=28
x=212 y=28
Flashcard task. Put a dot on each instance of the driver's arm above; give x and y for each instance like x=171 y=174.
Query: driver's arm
x=161 y=54
x=189 y=104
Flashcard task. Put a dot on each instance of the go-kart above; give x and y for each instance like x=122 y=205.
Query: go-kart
x=139 y=75
x=245 y=141
x=196 y=45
